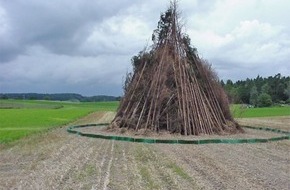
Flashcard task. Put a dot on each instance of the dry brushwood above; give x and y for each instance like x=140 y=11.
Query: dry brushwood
x=172 y=89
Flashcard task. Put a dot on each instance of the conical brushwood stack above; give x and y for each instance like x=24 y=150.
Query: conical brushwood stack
x=172 y=89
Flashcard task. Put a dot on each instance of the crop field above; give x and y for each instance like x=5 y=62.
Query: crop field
x=56 y=159
x=241 y=112
x=20 y=118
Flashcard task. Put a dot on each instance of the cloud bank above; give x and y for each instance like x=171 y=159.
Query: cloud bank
x=85 y=46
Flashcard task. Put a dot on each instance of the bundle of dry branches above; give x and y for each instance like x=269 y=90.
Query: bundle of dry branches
x=172 y=88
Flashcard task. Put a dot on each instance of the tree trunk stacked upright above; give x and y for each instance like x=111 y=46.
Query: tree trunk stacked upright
x=172 y=89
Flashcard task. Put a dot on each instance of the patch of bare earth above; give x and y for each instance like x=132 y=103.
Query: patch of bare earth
x=59 y=160
x=273 y=122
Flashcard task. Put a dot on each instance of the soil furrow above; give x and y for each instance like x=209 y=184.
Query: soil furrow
x=101 y=164
x=108 y=170
x=59 y=160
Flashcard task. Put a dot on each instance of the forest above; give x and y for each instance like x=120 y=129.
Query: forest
x=259 y=92
x=58 y=97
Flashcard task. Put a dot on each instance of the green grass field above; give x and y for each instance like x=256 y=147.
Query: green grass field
x=240 y=112
x=20 y=118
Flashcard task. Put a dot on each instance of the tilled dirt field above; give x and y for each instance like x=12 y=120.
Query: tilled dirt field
x=59 y=160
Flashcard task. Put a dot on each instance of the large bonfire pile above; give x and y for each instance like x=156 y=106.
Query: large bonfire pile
x=172 y=89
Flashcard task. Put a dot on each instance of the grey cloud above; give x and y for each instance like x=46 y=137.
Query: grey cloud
x=59 y=26
x=85 y=46
x=46 y=72
x=8 y=51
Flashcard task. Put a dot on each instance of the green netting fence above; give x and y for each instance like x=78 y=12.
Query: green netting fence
x=284 y=135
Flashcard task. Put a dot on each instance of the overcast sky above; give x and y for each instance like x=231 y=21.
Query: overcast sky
x=85 y=46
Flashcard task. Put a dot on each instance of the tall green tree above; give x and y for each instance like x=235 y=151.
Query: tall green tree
x=244 y=94
x=265 y=88
x=254 y=96
x=287 y=91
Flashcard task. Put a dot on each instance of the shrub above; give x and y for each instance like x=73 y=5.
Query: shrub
x=264 y=100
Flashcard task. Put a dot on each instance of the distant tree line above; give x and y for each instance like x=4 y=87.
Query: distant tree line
x=58 y=97
x=259 y=92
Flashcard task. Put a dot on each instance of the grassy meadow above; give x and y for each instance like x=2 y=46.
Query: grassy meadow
x=19 y=118
x=239 y=111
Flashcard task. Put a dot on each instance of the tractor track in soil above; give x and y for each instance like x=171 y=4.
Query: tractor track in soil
x=59 y=160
